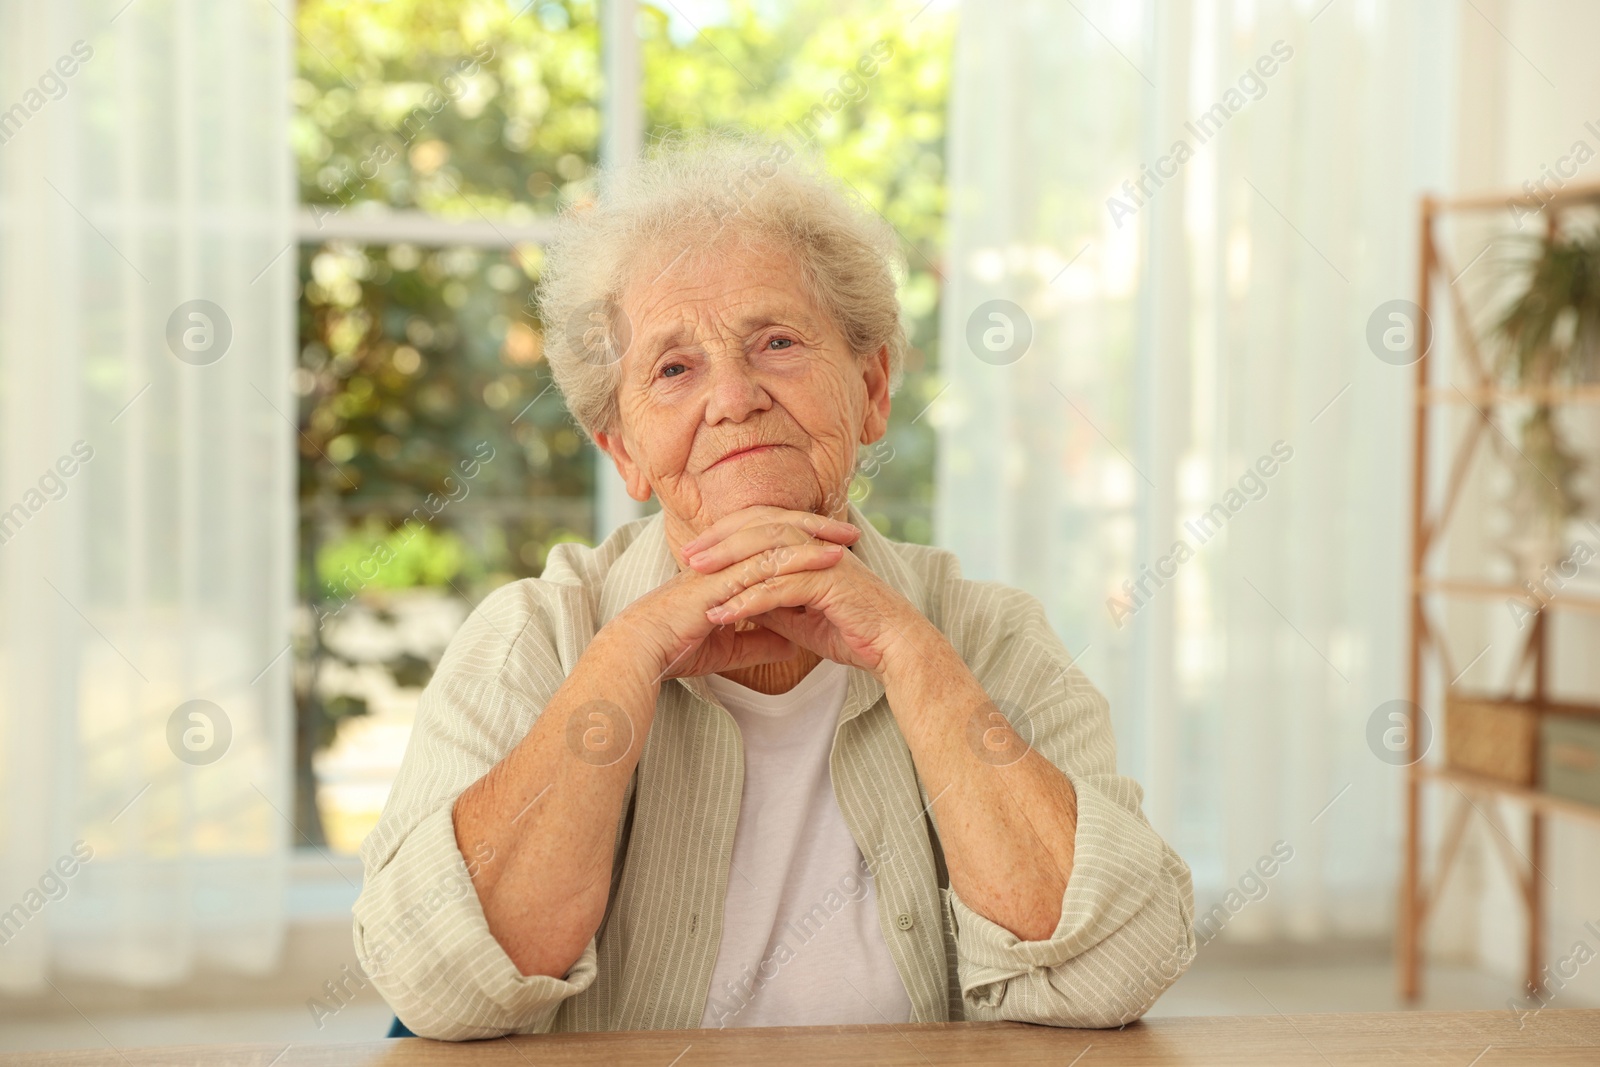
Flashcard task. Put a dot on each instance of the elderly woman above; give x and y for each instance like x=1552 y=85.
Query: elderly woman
x=749 y=762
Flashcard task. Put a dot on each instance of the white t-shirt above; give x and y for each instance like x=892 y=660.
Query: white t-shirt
x=801 y=945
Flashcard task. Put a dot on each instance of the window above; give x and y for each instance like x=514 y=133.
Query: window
x=434 y=141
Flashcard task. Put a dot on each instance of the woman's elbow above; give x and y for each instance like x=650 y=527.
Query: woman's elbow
x=1139 y=992
x=1110 y=1012
x=427 y=1020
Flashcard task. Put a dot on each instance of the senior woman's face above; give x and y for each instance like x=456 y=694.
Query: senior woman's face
x=737 y=390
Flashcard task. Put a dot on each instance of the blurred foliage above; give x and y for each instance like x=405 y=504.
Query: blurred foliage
x=1549 y=335
x=410 y=556
x=421 y=374
x=1551 y=328
x=336 y=710
x=457 y=108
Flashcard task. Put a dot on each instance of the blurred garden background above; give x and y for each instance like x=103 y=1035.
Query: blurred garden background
x=428 y=169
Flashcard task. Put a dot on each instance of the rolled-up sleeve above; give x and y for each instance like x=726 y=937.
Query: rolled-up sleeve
x=419 y=925
x=420 y=933
x=1125 y=933
x=1126 y=927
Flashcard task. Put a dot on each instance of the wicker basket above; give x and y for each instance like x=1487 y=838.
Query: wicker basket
x=1498 y=739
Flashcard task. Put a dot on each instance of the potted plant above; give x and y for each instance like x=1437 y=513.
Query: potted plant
x=1549 y=338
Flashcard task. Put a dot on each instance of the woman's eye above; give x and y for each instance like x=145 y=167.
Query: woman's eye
x=673 y=370
x=780 y=342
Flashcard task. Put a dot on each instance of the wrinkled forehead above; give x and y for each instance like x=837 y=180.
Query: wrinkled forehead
x=736 y=284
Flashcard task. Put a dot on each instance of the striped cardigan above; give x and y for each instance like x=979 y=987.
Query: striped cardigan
x=1125 y=930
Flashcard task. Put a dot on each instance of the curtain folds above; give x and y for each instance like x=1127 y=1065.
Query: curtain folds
x=1195 y=460
x=146 y=488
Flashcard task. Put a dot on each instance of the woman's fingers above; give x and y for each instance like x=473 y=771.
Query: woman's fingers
x=817 y=526
x=694 y=593
x=808 y=629
x=780 y=591
x=764 y=566
x=693 y=640
x=671 y=621
x=726 y=525
x=815 y=611
x=725 y=650
x=751 y=540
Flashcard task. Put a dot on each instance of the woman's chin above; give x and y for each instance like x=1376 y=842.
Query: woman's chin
x=794 y=493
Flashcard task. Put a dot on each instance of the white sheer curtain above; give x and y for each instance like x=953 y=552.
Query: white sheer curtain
x=147 y=487
x=1175 y=340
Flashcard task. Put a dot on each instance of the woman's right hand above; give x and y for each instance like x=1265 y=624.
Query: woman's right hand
x=669 y=623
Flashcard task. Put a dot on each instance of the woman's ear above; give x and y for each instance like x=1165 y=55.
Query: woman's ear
x=875 y=376
x=632 y=475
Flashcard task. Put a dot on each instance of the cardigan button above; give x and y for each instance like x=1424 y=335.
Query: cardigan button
x=904 y=921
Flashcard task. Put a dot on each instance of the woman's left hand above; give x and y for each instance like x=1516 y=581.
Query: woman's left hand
x=843 y=613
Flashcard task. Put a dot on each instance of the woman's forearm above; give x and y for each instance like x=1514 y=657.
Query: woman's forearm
x=549 y=810
x=1007 y=817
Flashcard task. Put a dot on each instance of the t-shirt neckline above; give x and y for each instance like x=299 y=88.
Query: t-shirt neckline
x=775 y=704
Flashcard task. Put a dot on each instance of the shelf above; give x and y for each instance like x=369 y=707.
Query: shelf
x=1543 y=707
x=1553 y=394
x=1584 y=602
x=1533 y=798
x=1432 y=395
x=1569 y=196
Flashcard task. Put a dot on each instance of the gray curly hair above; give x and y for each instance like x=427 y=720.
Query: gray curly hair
x=688 y=193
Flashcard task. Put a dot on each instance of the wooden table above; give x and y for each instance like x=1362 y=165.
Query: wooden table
x=1447 y=1039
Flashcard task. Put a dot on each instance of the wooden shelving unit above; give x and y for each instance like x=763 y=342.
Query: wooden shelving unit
x=1466 y=795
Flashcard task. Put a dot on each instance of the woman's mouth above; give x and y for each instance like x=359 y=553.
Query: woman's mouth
x=753 y=450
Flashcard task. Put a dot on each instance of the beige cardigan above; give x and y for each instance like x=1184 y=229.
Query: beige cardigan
x=1125 y=931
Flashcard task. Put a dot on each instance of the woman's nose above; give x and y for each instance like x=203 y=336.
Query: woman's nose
x=735 y=393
